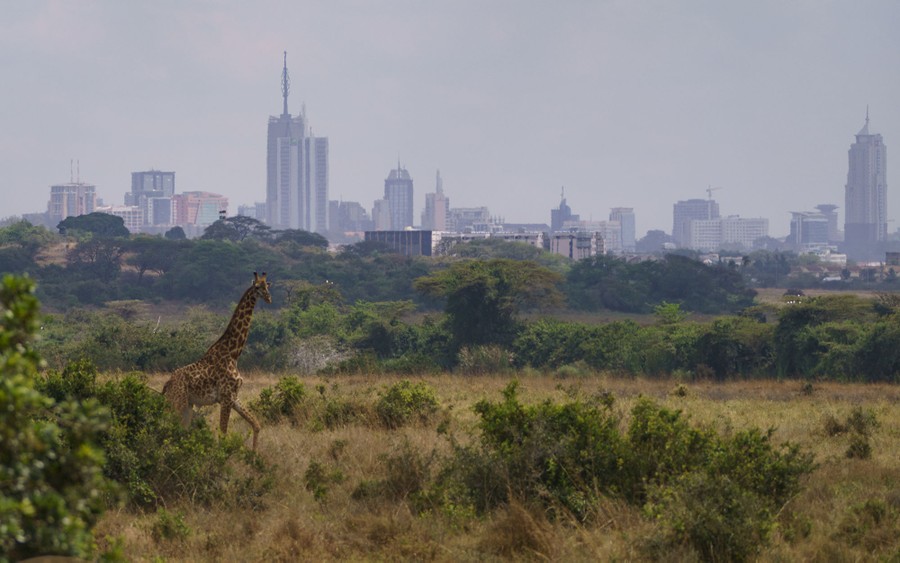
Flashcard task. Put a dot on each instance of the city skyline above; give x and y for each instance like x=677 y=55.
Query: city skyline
x=633 y=105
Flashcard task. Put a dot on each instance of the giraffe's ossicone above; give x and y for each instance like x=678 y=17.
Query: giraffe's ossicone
x=214 y=378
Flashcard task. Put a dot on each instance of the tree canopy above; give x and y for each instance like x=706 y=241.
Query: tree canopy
x=97 y=224
x=484 y=298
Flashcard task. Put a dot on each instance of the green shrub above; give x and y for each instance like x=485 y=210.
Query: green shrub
x=151 y=454
x=568 y=456
x=285 y=400
x=710 y=514
x=405 y=402
x=859 y=447
x=52 y=489
x=318 y=479
x=170 y=526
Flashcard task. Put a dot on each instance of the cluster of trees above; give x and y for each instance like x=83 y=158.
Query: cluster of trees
x=102 y=263
x=482 y=329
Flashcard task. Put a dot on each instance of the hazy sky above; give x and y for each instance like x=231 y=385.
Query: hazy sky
x=625 y=103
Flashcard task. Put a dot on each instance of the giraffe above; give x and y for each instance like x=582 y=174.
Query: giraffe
x=214 y=378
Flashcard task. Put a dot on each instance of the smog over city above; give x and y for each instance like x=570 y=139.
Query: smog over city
x=621 y=104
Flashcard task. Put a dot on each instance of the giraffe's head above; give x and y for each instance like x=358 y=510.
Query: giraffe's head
x=261 y=287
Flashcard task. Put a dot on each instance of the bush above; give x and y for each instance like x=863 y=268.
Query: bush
x=712 y=515
x=405 y=402
x=52 y=489
x=170 y=526
x=283 y=401
x=151 y=454
x=567 y=457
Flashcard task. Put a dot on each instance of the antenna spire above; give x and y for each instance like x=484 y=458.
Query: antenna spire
x=285 y=84
x=867 y=115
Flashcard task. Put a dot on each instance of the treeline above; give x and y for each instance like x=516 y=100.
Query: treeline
x=481 y=330
x=97 y=262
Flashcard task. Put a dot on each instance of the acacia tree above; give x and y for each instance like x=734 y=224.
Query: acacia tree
x=484 y=298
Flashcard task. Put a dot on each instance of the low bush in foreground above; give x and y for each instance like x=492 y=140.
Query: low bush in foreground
x=715 y=495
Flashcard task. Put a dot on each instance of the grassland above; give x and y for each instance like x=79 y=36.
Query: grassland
x=848 y=510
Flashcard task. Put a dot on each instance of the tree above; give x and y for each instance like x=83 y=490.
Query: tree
x=100 y=257
x=175 y=233
x=98 y=224
x=236 y=229
x=301 y=238
x=484 y=298
x=51 y=479
x=152 y=253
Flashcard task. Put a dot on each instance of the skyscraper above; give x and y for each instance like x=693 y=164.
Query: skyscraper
x=437 y=208
x=625 y=217
x=561 y=214
x=398 y=192
x=297 y=170
x=865 y=222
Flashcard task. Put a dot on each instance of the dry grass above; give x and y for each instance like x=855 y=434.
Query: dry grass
x=827 y=521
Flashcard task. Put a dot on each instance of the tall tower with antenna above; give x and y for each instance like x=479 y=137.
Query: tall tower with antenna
x=296 y=170
x=865 y=195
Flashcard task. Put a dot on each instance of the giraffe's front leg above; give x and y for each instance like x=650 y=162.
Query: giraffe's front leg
x=251 y=420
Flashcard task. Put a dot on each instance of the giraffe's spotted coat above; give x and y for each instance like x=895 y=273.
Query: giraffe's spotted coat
x=214 y=378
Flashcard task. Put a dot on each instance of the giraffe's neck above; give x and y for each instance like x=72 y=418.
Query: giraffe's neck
x=235 y=336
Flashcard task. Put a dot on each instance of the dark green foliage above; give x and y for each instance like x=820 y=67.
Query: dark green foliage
x=484 y=298
x=406 y=402
x=285 y=400
x=52 y=489
x=607 y=282
x=318 y=479
x=151 y=455
x=715 y=495
x=102 y=225
x=709 y=514
x=169 y=526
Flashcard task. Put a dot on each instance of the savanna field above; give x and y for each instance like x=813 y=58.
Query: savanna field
x=846 y=509
x=495 y=404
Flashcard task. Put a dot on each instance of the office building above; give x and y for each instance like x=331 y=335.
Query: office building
x=70 y=200
x=686 y=211
x=436 y=216
x=561 y=214
x=398 y=192
x=829 y=211
x=809 y=231
x=409 y=242
x=577 y=245
x=729 y=232
x=625 y=217
x=296 y=170
x=469 y=219
x=865 y=220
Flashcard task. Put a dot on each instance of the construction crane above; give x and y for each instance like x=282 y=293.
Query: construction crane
x=710 y=190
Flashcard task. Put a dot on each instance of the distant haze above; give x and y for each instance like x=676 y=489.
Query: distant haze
x=625 y=103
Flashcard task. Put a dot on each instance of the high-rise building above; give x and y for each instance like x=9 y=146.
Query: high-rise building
x=561 y=214
x=865 y=220
x=398 y=192
x=828 y=211
x=809 y=231
x=437 y=208
x=72 y=199
x=724 y=232
x=686 y=211
x=296 y=171
x=625 y=217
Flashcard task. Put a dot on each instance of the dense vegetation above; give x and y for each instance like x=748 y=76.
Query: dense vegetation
x=78 y=442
